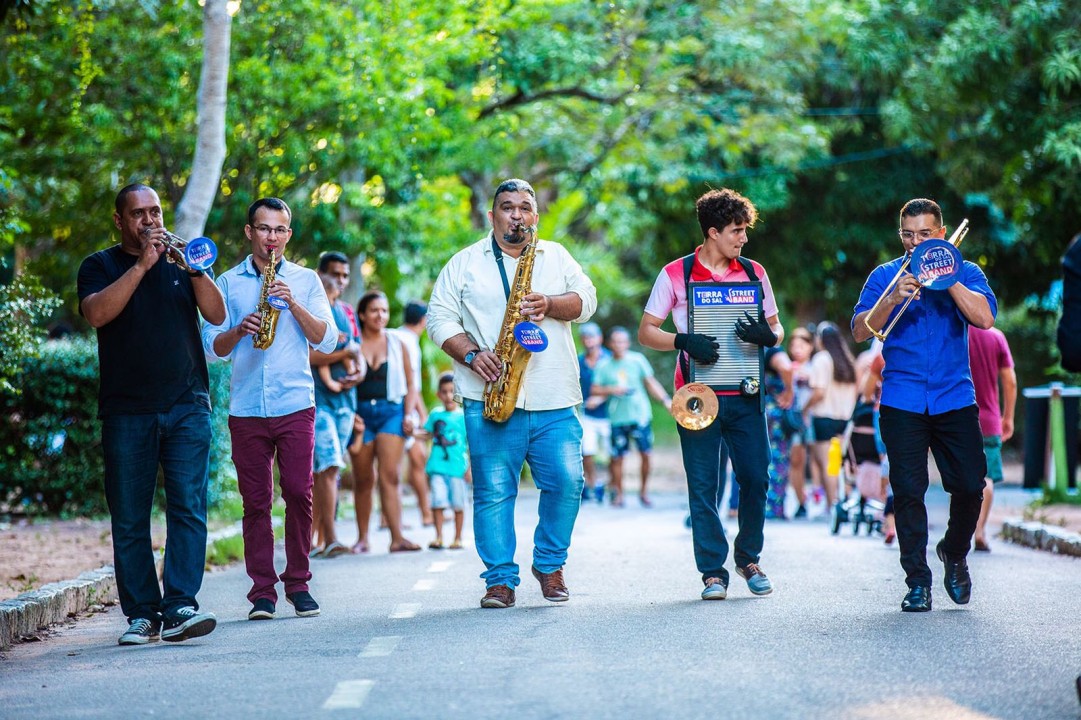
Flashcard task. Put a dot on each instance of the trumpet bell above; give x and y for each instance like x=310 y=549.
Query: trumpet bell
x=200 y=253
x=694 y=406
x=936 y=264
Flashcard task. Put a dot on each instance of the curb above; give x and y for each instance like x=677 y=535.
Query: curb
x=1042 y=537
x=34 y=611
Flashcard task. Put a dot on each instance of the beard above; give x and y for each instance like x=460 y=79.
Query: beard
x=516 y=234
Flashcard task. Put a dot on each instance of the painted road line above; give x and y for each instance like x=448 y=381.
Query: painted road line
x=381 y=646
x=404 y=611
x=349 y=695
x=440 y=566
x=424 y=585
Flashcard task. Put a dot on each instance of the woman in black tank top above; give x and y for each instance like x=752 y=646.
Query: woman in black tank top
x=385 y=426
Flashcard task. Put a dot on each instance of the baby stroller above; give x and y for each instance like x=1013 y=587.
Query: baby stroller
x=862 y=496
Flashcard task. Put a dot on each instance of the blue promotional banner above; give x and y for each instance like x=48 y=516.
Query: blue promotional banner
x=530 y=336
x=200 y=253
x=711 y=296
x=936 y=264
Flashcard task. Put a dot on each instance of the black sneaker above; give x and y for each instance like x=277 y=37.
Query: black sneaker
x=262 y=609
x=303 y=603
x=187 y=622
x=801 y=513
x=140 y=632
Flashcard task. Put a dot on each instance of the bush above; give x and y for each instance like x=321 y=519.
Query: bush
x=50 y=443
x=51 y=438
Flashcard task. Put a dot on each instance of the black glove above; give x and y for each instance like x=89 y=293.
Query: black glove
x=703 y=348
x=754 y=331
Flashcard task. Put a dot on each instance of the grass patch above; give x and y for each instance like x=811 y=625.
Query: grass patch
x=228 y=550
x=225 y=551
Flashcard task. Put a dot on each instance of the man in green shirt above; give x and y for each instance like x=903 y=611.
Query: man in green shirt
x=625 y=379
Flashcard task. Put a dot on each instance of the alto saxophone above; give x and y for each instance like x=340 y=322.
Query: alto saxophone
x=501 y=396
x=268 y=321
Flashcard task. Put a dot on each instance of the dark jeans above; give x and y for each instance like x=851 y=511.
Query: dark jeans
x=742 y=426
x=134 y=447
x=956 y=443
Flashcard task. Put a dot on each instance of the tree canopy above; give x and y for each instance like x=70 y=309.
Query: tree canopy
x=387 y=125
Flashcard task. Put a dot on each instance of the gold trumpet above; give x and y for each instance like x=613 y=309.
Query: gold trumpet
x=955 y=240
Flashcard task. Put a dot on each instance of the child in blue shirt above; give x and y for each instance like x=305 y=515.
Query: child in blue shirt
x=448 y=462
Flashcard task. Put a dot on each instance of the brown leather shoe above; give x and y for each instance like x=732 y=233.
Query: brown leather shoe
x=552 y=586
x=498 y=596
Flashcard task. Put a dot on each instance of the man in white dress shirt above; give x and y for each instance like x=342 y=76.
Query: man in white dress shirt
x=465 y=315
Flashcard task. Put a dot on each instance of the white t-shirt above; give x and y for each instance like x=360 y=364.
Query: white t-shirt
x=840 y=398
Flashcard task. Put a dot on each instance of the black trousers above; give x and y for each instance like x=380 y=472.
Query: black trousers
x=956 y=443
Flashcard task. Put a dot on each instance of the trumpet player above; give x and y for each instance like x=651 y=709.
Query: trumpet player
x=476 y=292
x=154 y=410
x=928 y=401
x=272 y=403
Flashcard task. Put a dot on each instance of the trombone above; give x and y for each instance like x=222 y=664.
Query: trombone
x=955 y=240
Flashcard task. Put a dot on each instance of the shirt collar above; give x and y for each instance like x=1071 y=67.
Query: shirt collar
x=248 y=267
x=701 y=273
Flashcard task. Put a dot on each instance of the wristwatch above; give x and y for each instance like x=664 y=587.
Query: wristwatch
x=468 y=359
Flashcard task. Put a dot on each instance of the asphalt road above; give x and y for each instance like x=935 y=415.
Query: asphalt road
x=403 y=636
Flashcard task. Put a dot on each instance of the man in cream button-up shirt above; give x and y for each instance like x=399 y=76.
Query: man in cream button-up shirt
x=465 y=316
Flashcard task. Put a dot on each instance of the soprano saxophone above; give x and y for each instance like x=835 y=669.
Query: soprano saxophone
x=501 y=396
x=268 y=322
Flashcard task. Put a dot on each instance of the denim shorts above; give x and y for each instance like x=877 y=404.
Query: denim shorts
x=381 y=416
x=622 y=435
x=333 y=428
x=447 y=492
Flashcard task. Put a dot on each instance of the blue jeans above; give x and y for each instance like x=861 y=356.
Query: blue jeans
x=742 y=426
x=134 y=446
x=551 y=442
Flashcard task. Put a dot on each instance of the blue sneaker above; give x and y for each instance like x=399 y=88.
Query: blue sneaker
x=757 y=581
x=262 y=609
x=304 y=604
x=715 y=589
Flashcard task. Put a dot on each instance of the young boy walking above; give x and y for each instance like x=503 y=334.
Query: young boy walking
x=447 y=462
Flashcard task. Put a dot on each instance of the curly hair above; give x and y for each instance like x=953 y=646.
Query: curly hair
x=720 y=208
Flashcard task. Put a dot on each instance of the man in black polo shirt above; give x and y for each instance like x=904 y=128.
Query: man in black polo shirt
x=154 y=404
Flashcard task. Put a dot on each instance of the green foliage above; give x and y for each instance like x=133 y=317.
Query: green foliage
x=24 y=305
x=51 y=438
x=50 y=442
x=386 y=126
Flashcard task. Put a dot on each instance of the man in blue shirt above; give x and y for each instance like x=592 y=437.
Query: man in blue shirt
x=929 y=402
x=272 y=406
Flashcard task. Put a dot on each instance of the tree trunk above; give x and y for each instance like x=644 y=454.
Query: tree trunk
x=202 y=185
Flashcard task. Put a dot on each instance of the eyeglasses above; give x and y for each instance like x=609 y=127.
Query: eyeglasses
x=267 y=230
x=924 y=234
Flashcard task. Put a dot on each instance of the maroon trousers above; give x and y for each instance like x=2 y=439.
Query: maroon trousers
x=256 y=441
